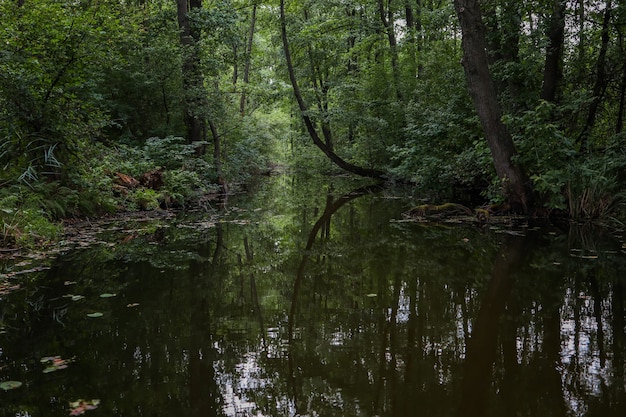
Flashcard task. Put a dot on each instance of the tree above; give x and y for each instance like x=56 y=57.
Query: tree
x=193 y=79
x=310 y=125
x=387 y=20
x=51 y=66
x=553 y=69
x=516 y=186
x=248 y=60
x=600 y=83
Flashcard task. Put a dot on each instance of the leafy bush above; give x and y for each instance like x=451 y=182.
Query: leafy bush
x=594 y=190
x=443 y=151
x=182 y=186
x=545 y=151
x=24 y=222
x=146 y=199
x=185 y=176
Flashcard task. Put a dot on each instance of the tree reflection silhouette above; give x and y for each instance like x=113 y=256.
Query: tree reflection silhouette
x=482 y=346
x=323 y=223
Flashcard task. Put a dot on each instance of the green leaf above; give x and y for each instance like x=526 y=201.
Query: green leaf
x=95 y=314
x=107 y=295
x=7 y=385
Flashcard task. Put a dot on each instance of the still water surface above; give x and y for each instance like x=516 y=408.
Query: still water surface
x=316 y=299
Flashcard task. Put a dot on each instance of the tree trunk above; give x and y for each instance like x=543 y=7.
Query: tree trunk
x=481 y=87
x=414 y=28
x=580 y=15
x=553 y=69
x=195 y=103
x=386 y=17
x=310 y=126
x=248 y=58
x=320 y=86
x=600 y=83
x=217 y=157
x=502 y=23
x=619 y=125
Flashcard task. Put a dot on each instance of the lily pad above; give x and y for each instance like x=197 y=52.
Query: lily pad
x=74 y=297
x=372 y=295
x=107 y=295
x=95 y=314
x=79 y=407
x=8 y=385
x=132 y=305
x=54 y=363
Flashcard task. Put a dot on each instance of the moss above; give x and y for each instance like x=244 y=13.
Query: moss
x=447 y=208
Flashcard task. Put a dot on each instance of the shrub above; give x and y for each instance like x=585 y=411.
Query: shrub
x=594 y=191
x=24 y=222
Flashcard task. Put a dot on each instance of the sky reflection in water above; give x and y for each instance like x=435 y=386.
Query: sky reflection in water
x=307 y=299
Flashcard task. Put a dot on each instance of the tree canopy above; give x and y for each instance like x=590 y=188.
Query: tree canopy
x=479 y=102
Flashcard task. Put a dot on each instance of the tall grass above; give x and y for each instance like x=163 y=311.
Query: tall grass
x=595 y=192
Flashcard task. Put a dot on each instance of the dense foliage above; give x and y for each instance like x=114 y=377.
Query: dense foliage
x=200 y=90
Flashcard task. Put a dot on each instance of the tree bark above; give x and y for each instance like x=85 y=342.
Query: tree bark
x=600 y=83
x=516 y=186
x=386 y=18
x=248 y=58
x=553 y=69
x=193 y=80
x=310 y=126
x=320 y=86
x=619 y=125
x=217 y=157
x=414 y=28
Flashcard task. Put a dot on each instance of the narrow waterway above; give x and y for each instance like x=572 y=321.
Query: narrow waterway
x=314 y=297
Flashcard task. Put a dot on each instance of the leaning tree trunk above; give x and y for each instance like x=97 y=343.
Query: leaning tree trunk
x=310 y=126
x=481 y=87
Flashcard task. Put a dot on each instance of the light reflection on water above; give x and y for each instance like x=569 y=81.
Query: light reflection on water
x=323 y=304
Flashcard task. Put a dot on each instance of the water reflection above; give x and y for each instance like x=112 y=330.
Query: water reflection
x=294 y=302
x=482 y=346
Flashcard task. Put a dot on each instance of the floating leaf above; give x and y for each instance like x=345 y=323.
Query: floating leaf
x=95 y=314
x=54 y=363
x=7 y=385
x=132 y=305
x=79 y=407
x=74 y=297
x=372 y=295
x=107 y=295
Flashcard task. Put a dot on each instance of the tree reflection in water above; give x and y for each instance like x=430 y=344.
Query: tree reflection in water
x=271 y=308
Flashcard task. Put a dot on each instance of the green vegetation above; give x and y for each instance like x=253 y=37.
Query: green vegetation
x=95 y=95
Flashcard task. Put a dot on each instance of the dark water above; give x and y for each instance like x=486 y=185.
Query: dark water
x=306 y=298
